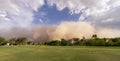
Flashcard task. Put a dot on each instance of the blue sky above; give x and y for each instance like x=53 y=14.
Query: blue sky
x=51 y=15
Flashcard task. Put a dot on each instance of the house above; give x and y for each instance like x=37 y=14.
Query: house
x=8 y=44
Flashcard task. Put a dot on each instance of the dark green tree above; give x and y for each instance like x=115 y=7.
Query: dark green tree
x=12 y=41
x=63 y=42
x=54 y=43
x=116 y=41
x=2 y=41
x=78 y=42
x=109 y=43
x=21 y=41
x=96 y=42
x=94 y=36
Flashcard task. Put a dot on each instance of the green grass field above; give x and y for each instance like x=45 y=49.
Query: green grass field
x=59 y=53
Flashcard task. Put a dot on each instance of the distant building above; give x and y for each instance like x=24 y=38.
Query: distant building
x=108 y=39
x=8 y=44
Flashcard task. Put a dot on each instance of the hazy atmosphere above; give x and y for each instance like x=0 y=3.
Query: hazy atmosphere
x=43 y=20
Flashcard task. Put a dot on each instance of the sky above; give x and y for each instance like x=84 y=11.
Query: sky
x=102 y=16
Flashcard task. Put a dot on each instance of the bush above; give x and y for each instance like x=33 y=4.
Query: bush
x=18 y=41
x=109 y=43
x=12 y=41
x=29 y=43
x=116 y=41
x=79 y=43
x=96 y=42
x=54 y=43
x=63 y=42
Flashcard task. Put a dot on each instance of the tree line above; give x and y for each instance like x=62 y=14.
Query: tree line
x=94 y=41
x=81 y=42
x=13 y=41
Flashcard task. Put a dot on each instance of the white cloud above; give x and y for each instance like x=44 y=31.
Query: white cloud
x=97 y=9
x=77 y=5
x=41 y=21
x=18 y=12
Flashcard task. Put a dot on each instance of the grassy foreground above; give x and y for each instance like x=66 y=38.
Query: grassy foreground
x=59 y=53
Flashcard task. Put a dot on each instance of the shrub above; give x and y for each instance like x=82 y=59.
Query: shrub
x=96 y=42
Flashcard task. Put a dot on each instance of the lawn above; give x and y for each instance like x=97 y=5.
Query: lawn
x=59 y=53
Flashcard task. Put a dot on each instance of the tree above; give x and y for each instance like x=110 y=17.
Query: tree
x=100 y=42
x=63 y=42
x=54 y=43
x=29 y=42
x=96 y=42
x=2 y=41
x=116 y=41
x=78 y=42
x=12 y=41
x=21 y=40
x=94 y=36
x=18 y=41
x=109 y=43
x=91 y=42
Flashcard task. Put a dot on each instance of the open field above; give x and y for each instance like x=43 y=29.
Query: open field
x=59 y=53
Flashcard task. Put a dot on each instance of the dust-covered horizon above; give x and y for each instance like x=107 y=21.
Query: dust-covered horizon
x=66 y=30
